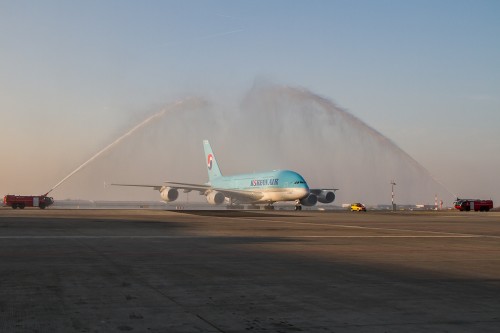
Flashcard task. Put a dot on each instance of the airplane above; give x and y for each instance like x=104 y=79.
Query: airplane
x=253 y=188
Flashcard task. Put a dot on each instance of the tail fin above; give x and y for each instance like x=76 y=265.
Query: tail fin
x=212 y=166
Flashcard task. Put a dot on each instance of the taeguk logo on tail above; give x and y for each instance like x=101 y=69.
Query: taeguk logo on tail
x=209 y=161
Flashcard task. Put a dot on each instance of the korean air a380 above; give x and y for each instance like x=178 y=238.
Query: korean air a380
x=253 y=188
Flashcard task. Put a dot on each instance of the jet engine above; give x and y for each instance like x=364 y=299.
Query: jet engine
x=310 y=200
x=169 y=194
x=215 y=198
x=326 y=196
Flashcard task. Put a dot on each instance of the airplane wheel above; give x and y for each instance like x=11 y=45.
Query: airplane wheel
x=298 y=207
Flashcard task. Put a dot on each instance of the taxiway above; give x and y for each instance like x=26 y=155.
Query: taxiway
x=256 y=271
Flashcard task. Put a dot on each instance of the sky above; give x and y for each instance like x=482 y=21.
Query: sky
x=75 y=75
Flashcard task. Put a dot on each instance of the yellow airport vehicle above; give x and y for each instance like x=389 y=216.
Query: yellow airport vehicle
x=358 y=207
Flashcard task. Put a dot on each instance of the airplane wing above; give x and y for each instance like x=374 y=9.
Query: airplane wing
x=154 y=187
x=242 y=196
x=183 y=186
x=187 y=187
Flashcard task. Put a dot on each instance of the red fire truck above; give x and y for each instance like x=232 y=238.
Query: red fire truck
x=473 y=204
x=21 y=201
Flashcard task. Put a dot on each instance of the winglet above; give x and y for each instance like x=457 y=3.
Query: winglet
x=212 y=165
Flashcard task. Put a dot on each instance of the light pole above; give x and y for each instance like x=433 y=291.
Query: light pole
x=392 y=193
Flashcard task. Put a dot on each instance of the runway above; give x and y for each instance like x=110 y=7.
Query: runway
x=249 y=271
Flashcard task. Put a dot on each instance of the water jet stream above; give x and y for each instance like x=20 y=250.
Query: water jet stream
x=299 y=129
x=121 y=138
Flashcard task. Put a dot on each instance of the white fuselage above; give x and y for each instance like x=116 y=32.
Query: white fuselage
x=283 y=194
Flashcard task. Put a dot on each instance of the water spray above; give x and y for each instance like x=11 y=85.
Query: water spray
x=121 y=138
x=340 y=148
x=296 y=129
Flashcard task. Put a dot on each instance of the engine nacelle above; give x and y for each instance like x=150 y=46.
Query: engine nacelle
x=326 y=197
x=310 y=200
x=169 y=194
x=215 y=198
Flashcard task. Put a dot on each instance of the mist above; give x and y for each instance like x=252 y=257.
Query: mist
x=272 y=127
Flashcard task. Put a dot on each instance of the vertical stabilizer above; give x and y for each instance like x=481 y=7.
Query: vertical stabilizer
x=212 y=166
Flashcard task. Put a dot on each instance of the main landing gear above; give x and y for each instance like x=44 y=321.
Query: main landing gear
x=298 y=206
x=269 y=207
x=233 y=204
